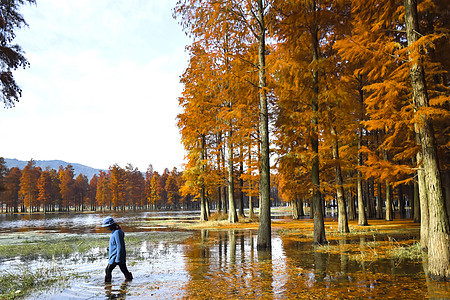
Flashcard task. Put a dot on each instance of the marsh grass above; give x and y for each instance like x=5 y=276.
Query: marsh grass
x=412 y=252
x=23 y=282
x=64 y=246
x=371 y=251
x=51 y=248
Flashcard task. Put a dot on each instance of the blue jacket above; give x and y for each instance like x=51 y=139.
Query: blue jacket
x=117 y=253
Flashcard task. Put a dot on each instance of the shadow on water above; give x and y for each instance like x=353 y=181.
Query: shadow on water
x=213 y=264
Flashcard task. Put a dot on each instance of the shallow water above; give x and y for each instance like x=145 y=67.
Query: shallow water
x=206 y=264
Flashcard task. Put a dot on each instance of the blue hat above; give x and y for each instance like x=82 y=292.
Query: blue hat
x=108 y=222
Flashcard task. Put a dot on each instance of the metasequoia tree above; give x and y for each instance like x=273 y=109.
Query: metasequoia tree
x=148 y=190
x=135 y=186
x=12 y=186
x=306 y=31
x=28 y=185
x=92 y=194
x=67 y=181
x=216 y=94
x=153 y=189
x=259 y=29
x=227 y=24
x=378 y=78
x=160 y=188
x=396 y=65
x=81 y=188
x=45 y=188
x=104 y=193
x=118 y=186
x=439 y=239
x=173 y=189
x=200 y=100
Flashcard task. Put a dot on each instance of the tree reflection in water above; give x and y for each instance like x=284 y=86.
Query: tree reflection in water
x=224 y=264
x=221 y=264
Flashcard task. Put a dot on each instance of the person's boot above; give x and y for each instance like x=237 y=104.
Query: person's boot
x=107 y=279
x=129 y=276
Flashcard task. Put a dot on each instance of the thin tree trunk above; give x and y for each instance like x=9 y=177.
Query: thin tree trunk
x=370 y=186
x=251 y=212
x=379 y=193
x=264 y=241
x=224 y=188
x=389 y=213
x=241 y=183
x=232 y=215
x=446 y=183
x=250 y=184
x=439 y=239
x=362 y=217
x=351 y=207
x=416 y=201
x=219 y=189
x=342 y=208
x=203 y=212
x=401 y=201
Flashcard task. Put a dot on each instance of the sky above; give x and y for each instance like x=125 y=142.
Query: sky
x=102 y=87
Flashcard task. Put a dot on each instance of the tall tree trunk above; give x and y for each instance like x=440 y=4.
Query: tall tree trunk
x=241 y=183
x=401 y=201
x=203 y=214
x=362 y=217
x=319 y=225
x=250 y=184
x=297 y=208
x=294 y=204
x=251 y=212
x=351 y=206
x=417 y=210
x=219 y=189
x=224 y=188
x=389 y=212
x=264 y=230
x=379 y=193
x=232 y=215
x=370 y=186
x=446 y=182
x=342 y=208
x=438 y=239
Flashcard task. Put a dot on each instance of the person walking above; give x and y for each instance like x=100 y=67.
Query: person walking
x=117 y=252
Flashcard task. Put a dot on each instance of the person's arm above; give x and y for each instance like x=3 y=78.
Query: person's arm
x=120 y=247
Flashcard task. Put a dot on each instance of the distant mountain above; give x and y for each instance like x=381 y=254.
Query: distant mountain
x=53 y=164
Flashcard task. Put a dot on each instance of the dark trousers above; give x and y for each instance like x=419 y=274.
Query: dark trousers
x=123 y=268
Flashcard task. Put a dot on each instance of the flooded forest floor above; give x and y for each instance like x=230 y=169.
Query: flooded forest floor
x=177 y=257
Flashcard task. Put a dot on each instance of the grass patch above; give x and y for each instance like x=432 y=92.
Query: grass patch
x=24 y=282
x=218 y=217
x=51 y=248
x=412 y=252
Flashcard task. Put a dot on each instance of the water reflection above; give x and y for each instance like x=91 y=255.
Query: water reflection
x=224 y=264
x=90 y=222
x=120 y=293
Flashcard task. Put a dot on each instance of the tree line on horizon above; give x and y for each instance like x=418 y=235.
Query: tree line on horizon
x=33 y=189
x=353 y=94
